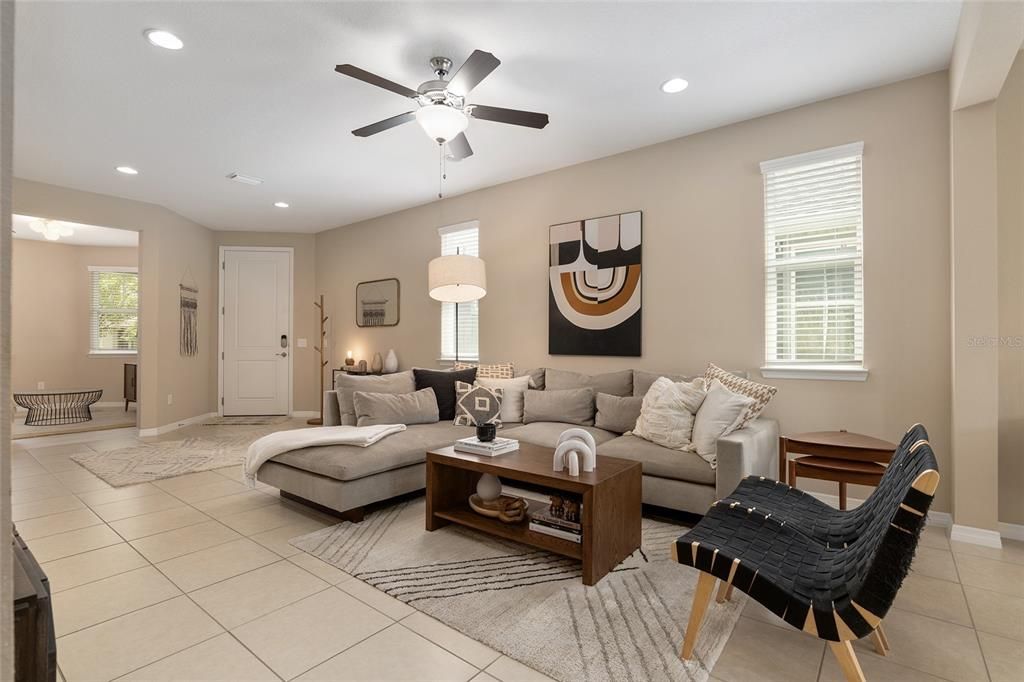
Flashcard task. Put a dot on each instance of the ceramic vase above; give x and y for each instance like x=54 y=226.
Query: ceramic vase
x=378 y=364
x=488 y=487
x=390 y=362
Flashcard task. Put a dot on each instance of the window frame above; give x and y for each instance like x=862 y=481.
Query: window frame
x=113 y=352
x=447 y=309
x=791 y=368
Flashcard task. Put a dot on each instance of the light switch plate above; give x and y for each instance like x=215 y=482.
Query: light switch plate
x=302 y=343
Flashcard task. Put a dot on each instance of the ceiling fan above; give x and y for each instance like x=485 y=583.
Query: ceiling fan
x=443 y=112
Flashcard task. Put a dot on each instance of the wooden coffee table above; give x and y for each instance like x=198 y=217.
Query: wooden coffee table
x=611 y=497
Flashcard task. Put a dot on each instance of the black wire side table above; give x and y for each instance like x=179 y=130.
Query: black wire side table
x=48 y=408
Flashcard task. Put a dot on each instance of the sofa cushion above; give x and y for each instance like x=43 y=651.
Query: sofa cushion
x=350 y=462
x=573 y=406
x=614 y=383
x=642 y=380
x=476 y=405
x=547 y=433
x=659 y=461
x=536 y=377
x=617 y=413
x=418 y=407
x=346 y=384
x=443 y=384
x=513 y=392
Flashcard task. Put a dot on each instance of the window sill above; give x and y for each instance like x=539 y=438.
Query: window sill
x=816 y=372
x=113 y=353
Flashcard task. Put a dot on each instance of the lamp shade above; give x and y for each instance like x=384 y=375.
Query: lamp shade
x=441 y=122
x=457 y=279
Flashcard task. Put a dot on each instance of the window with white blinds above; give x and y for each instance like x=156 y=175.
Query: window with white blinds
x=464 y=239
x=114 y=310
x=814 y=260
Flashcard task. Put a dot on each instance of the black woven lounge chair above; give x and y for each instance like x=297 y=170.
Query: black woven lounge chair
x=836 y=592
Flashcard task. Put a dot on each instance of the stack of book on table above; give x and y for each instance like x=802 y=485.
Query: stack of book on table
x=475 y=446
x=543 y=521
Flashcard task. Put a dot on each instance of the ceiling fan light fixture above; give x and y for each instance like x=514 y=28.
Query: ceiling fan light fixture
x=440 y=122
x=165 y=39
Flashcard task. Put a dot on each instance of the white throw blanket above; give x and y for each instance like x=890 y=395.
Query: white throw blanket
x=284 y=441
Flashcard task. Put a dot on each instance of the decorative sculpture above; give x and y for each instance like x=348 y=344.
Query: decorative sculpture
x=576 y=449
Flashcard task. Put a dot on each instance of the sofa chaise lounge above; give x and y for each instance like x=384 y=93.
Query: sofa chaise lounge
x=345 y=478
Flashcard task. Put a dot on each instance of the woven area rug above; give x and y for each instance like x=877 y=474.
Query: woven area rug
x=531 y=605
x=153 y=461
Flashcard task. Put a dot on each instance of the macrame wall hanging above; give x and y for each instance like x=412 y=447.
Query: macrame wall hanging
x=188 y=344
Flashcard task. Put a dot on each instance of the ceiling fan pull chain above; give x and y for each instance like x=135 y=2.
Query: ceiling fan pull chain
x=440 y=169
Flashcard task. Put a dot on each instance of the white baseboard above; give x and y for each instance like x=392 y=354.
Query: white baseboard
x=976 y=536
x=160 y=430
x=1012 y=531
x=305 y=414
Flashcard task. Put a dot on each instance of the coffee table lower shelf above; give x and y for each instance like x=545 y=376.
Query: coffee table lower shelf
x=518 y=532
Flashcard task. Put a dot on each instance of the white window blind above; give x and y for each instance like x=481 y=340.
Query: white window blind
x=464 y=239
x=814 y=259
x=114 y=310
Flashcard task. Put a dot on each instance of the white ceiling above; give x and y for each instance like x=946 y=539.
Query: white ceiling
x=254 y=91
x=84 y=235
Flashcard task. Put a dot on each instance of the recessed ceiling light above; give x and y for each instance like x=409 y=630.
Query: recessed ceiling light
x=281 y=204
x=674 y=85
x=164 y=39
x=127 y=170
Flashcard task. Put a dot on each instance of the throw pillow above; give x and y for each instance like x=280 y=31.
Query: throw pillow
x=761 y=393
x=720 y=414
x=643 y=380
x=418 y=407
x=443 y=384
x=346 y=384
x=613 y=383
x=496 y=370
x=667 y=414
x=475 y=405
x=513 y=392
x=571 y=406
x=617 y=413
x=536 y=378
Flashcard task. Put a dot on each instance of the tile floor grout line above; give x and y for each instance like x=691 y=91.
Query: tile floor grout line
x=970 y=614
x=355 y=644
x=126 y=613
x=441 y=646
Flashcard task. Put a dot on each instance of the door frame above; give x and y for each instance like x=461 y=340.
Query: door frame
x=221 y=255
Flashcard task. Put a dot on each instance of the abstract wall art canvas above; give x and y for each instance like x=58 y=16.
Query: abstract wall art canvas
x=594 y=289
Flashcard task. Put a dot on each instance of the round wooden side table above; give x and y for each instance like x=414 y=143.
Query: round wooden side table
x=838 y=456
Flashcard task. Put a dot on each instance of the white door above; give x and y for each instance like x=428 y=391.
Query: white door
x=256 y=333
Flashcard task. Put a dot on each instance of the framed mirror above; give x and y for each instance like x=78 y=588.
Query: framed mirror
x=378 y=303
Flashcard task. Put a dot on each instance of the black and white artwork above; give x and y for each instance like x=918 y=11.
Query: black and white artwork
x=594 y=292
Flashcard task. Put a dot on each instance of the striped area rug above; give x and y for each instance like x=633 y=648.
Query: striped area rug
x=531 y=605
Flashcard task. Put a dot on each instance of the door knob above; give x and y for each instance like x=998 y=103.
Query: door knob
x=283 y=355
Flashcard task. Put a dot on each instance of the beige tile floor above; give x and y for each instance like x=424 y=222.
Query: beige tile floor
x=193 y=578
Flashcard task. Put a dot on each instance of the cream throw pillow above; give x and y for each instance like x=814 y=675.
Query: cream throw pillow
x=720 y=414
x=513 y=391
x=667 y=413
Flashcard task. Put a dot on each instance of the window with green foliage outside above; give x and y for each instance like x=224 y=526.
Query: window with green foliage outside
x=114 y=319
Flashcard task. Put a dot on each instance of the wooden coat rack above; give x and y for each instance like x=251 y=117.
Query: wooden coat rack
x=321 y=360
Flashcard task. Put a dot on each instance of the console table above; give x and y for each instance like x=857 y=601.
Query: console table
x=47 y=408
x=838 y=456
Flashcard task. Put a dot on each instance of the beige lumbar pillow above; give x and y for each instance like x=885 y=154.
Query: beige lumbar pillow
x=721 y=413
x=667 y=412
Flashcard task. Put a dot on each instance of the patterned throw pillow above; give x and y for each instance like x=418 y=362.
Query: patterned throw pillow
x=495 y=370
x=761 y=393
x=475 y=405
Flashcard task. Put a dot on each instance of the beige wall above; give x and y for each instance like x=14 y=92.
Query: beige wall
x=306 y=383
x=170 y=246
x=50 y=327
x=701 y=198
x=1010 y=168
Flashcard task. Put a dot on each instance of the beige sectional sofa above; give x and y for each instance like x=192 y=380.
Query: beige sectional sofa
x=346 y=478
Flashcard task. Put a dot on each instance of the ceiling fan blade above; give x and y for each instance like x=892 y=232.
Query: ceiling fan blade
x=530 y=119
x=374 y=79
x=386 y=124
x=477 y=67
x=458 y=148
